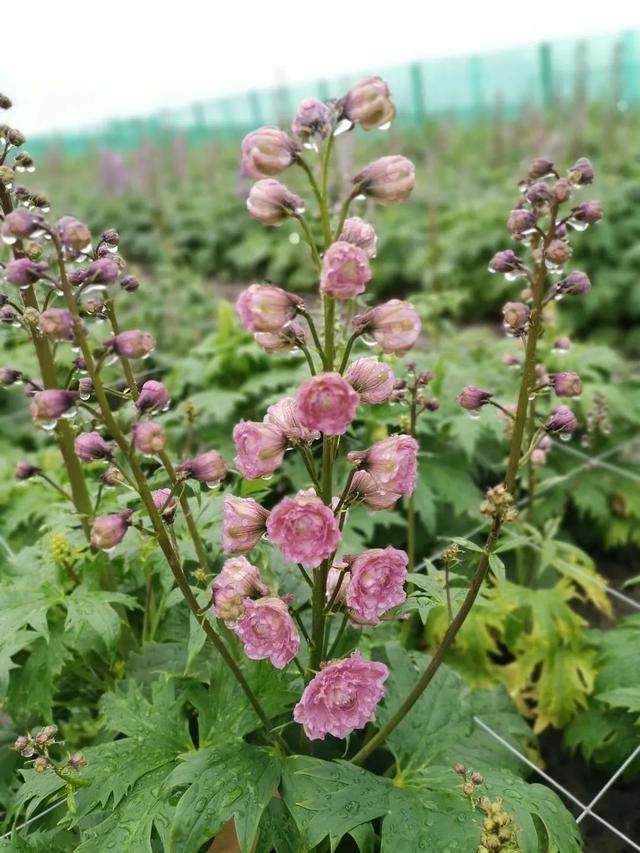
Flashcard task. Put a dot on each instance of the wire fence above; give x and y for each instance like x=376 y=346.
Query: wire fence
x=600 y=69
x=586 y=809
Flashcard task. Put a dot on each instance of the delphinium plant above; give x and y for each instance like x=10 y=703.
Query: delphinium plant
x=359 y=698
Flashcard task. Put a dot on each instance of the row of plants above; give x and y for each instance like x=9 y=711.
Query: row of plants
x=186 y=205
x=165 y=685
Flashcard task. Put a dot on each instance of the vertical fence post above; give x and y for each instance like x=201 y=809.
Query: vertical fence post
x=477 y=86
x=546 y=73
x=255 y=109
x=417 y=92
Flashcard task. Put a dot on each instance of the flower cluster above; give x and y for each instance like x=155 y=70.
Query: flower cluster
x=307 y=527
x=542 y=226
x=62 y=280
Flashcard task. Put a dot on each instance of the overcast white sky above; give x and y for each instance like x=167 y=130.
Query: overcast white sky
x=79 y=62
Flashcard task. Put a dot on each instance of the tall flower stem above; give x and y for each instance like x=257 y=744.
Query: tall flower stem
x=64 y=433
x=515 y=452
x=198 y=544
x=126 y=364
x=162 y=536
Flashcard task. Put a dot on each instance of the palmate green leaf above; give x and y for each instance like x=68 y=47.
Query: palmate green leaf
x=37 y=790
x=33 y=685
x=554 y=831
x=330 y=798
x=223 y=708
x=228 y=780
x=129 y=826
x=623 y=697
x=10 y=645
x=92 y=621
x=440 y=728
x=40 y=841
x=277 y=831
x=429 y=820
x=128 y=710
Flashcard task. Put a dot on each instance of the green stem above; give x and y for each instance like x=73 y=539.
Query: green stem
x=198 y=544
x=126 y=364
x=438 y=656
x=347 y=351
x=312 y=180
x=162 y=536
x=338 y=636
x=344 y=212
x=64 y=433
x=527 y=383
x=324 y=190
x=58 y=488
x=307 y=355
x=314 y=332
x=311 y=243
x=329 y=332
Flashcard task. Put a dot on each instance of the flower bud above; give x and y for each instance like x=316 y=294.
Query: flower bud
x=165 y=503
x=110 y=237
x=265 y=308
x=5 y=102
x=154 y=397
x=208 y=467
x=473 y=398
x=129 y=283
x=107 y=531
x=395 y=325
x=313 y=120
x=102 y=271
x=587 y=212
x=132 y=344
x=40 y=764
x=562 y=190
x=581 y=173
x=510 y=360
x=521 y=222
x=21 y=743
x=372 y=379
x=369 y=104
x=77 y=760
x=345 y=271
x=477 y=778
x=25 y=471
x=20 y=224
x=51 y=404
x=77 y=276
x=541 y=168
x=57 y=324
x=90 y=446
x=74 y=236
x=566 y=384
x=562 y=420
x=85 y=387
x=562 y=345
x=243 y=524
x=460 y=769
x=149 y=437
x=388 y=180
x=9 y=376
x=291 y=336
x=558 y=252
x=505 y=262
x=24 y=272
x=539 y=193
x=575 y=284
x=516 y=316
x=16 y=137
x=361 y=234
x=267 y=152
x=113 y=476
x=9 y=315
x=271 y=203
